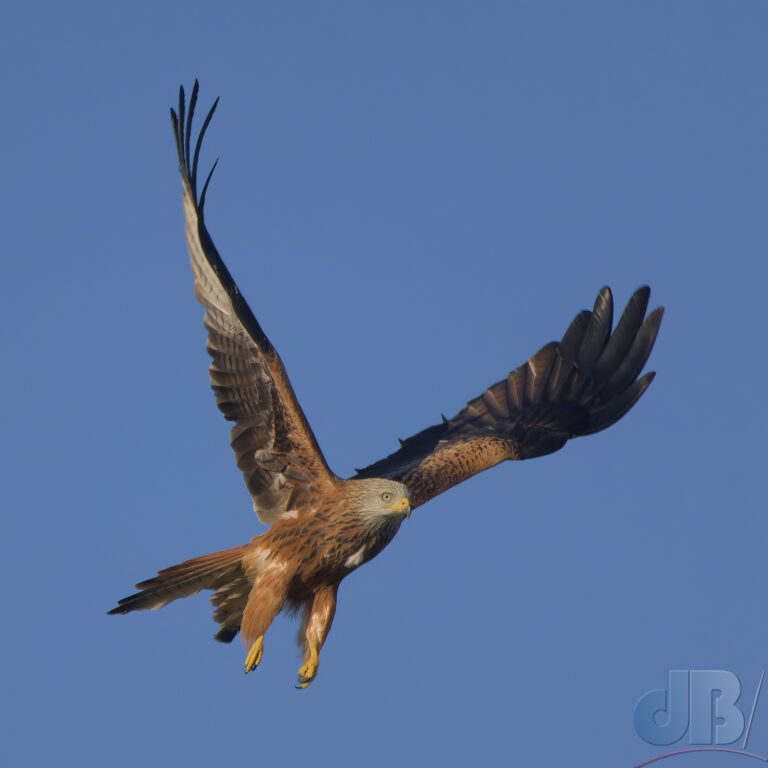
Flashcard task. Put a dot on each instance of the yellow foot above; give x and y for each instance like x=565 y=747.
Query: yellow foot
x=254 y=655
x=308 y=672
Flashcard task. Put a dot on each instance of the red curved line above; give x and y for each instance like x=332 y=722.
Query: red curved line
x=703 y=749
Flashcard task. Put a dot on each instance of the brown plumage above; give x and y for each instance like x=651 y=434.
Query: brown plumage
x=322 y=527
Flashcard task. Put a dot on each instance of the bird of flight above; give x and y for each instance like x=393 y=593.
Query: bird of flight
x=323 y=527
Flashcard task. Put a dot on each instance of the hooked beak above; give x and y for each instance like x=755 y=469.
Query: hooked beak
x=403 y=506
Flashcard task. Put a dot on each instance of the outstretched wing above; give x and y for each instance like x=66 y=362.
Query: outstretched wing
x=274 y=446
x=573 y=387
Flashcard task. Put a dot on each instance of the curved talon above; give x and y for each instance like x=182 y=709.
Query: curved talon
x=309 y=671
x=254 y=655
x=303 y=681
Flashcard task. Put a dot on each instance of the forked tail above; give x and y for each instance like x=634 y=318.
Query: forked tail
x=215 y=571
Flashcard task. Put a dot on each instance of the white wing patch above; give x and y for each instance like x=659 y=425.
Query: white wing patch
x=354 y=560
x=254 y=562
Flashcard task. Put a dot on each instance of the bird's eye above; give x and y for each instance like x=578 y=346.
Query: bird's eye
x=386 y=496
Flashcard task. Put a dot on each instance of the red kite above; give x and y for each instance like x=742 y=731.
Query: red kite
x=323 y=527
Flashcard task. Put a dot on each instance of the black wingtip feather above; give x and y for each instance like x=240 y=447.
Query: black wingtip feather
x=607 y=415
x=598 y=330
x=637 y=356
x=199 y=144
x=181 y=123
x=201 y=204
x=569 y=348
x=191 y=171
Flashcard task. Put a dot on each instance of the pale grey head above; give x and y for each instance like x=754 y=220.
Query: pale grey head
x=380 y=498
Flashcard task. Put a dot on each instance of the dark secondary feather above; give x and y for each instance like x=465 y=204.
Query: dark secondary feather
x=274 y=446
x=577 y=386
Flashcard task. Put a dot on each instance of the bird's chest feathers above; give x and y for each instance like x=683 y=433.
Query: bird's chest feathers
x=370 y=536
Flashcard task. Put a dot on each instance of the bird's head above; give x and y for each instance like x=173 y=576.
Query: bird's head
x=379 y=498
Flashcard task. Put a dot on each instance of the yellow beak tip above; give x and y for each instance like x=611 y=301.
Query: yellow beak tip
x=404 y=506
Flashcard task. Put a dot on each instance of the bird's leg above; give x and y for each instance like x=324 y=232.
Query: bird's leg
x=316 y=625
x=254 y=655
x=265 y=601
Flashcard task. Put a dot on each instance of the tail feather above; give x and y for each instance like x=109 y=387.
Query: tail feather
x=185 y=579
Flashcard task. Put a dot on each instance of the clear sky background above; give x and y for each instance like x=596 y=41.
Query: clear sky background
x=414 y=197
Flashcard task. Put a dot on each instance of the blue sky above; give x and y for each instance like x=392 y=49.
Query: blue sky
x=414 y=197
